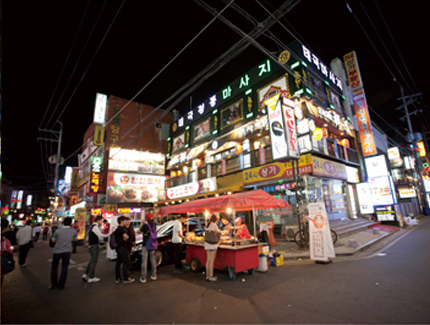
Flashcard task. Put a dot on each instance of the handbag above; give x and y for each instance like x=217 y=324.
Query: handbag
x=212 y=237
x=7 y=262
x=51 y=242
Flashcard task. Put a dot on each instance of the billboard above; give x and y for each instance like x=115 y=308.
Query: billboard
x=137 y=188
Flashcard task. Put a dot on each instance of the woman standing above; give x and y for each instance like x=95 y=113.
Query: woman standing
x=211 y=249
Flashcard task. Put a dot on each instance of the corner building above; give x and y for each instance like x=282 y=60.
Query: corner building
x=248 y=134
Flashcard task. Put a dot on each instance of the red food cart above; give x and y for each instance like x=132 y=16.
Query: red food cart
x=236 y=255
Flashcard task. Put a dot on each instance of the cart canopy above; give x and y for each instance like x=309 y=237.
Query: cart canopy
x=239 y=201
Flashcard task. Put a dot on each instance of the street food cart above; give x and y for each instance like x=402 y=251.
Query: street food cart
x=235 y=255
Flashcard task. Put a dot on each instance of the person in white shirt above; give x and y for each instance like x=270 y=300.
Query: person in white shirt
x=37 y=230
x=94 y=233
x=24 y=237
x=177 y=237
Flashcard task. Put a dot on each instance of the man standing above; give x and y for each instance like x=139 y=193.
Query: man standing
x=94 y=233
x=131 y=240
x=177 y=237
x=63 y=239
x=24 y=237
x=121 y=250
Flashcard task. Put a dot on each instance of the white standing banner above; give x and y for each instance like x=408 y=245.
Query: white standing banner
x=321 y=244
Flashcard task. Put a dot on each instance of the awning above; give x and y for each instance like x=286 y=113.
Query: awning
x=240 y=202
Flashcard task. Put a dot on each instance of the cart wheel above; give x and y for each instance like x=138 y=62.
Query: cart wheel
x=195 y=264
x=231 y=273
x=251 y=271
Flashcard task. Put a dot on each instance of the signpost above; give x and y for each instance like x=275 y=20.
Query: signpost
x=321 y=244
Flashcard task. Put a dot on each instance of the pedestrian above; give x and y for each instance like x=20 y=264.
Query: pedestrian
x=45 y=232
x=76 y=227
x=54 y=228
x=105 y=229
x=37 y=230
x=24 y=238
x=10 y=234
x=63 y=239
x=121 y=251
x=94 y=233
x=211 y=249
x=149 y=231
x=177 y=238
x=6 y=248
x=131 y=242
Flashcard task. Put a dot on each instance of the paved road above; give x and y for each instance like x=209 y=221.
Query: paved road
x=391 y=285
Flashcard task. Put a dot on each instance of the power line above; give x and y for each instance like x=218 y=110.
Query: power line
x=395 y=45
x=64 y=66
x=92 y=59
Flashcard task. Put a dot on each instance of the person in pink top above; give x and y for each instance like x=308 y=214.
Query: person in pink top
x=5 y=243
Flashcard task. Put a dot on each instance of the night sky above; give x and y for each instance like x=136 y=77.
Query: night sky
x=37 y=40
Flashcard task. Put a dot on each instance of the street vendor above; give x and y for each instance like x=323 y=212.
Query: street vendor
x=242 y=230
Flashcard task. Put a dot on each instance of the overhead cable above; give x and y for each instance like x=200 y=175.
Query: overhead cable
x=64 y=66
x=92 y=59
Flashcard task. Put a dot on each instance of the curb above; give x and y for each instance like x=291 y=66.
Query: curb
x=307 y=255
x=367 y=244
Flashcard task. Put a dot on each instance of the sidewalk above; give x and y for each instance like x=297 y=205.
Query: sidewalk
x=345 y=246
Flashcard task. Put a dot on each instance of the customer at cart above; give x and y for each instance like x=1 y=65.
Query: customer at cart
x=211 y=249
x=227 y=227
x=242 y=230
x=177 y=238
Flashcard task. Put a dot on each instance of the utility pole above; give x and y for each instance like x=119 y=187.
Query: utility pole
x=58 y=161
x=413 y=137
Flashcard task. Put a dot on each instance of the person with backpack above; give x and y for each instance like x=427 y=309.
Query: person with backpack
x=149 y=231
x=7 y=259
x=93 y=247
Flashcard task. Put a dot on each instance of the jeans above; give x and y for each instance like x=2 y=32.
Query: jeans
x=121 y=258
x=178 y=255
x=23 y=251
x=144 y=264
x=65 y=258
x=91 y=267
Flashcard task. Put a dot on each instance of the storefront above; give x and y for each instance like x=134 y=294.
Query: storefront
x=323 y=181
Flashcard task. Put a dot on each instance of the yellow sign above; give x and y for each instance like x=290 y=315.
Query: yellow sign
x=99 y=135
x=353 y=71
x=317 y=134
x=421 y=149
x=272 y=101
x=80 y=215
x=276 y=171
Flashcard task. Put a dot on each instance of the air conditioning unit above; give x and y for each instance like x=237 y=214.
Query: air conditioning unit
x=290 y=232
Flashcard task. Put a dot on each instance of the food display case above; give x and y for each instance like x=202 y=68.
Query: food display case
x=233 y=254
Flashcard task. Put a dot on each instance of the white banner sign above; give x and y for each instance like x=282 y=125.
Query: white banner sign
x=365 y=198
x=321 y=244
x=203 y=186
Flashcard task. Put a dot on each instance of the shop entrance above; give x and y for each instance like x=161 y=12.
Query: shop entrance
x=330 y=191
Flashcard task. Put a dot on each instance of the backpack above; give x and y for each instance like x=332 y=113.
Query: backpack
x=112 y=241
x=152 y=243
